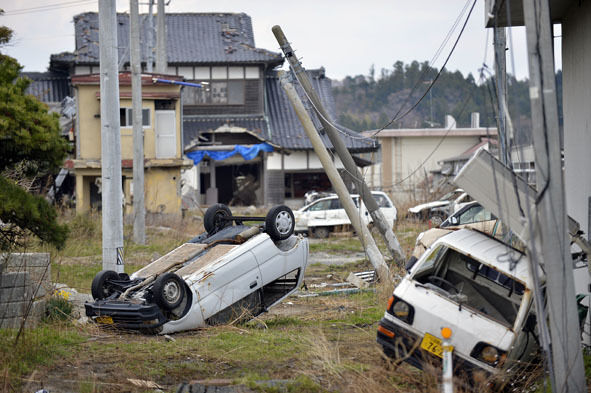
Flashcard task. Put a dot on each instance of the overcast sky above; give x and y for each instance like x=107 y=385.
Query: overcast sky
x=344 y=36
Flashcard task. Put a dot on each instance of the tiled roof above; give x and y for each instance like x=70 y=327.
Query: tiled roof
x=195 y=125
x=192 y=38
x=47 y=86
x=286 y=129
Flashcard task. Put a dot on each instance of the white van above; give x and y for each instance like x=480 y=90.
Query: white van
x=322 y=216
x=478 y=287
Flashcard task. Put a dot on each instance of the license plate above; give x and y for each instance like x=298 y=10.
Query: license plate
x=104 y=319
x=432 y=345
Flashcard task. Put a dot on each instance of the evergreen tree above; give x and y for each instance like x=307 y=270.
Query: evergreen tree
x=30 y=145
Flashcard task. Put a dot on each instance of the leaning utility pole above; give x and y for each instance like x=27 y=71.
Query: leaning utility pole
x=550 y=226
x=373 y=253
x=341 y=149
x=500 y=43
x=139 y=209
x=161 y=39
x=150 y=38
x=110 y=139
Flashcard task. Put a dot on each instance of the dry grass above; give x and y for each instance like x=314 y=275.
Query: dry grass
x=320 y=344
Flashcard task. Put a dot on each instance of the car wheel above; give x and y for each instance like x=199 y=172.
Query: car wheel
x=168 y=291
x=321 y=232
x=280 y=222
x=101 y=287
x=436 y=219
x=215 y=218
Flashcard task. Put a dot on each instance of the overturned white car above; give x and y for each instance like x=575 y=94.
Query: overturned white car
x=231 y=272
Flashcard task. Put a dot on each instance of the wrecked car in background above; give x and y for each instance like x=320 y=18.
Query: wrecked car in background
x=322 y=216
x=437 y=211
x=478 y=287
x=230 y=273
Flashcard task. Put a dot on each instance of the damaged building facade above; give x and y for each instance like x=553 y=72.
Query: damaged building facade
x=246 y=145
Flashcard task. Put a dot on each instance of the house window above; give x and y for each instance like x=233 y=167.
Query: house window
x=126 y=117
x=228 y=92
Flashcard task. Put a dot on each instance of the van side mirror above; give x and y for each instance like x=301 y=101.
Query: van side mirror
x=410 y=263
x=453 y=220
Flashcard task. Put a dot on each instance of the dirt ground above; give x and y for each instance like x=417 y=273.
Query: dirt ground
x=105 y=361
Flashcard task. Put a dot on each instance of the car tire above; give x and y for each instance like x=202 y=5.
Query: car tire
x=168 y=291
x=436 y=219
x=321 y=232
x=214 y=221
x=100 y=287
x=280 y=223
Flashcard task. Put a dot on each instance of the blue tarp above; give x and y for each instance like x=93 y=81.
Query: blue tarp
x=248 y=153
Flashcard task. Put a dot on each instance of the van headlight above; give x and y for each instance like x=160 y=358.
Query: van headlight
x=401 y=309
x=489 y=354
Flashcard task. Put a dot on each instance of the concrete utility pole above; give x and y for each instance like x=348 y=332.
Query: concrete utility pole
x=373 y=253
x=150 y=58
x=161 y=39
x=551 y=238
x=500 y=43
x=341 y=149
x=112 y=210
x=139 y=209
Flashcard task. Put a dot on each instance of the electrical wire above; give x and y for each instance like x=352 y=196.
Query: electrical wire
x=48 y=7
x=398 y=117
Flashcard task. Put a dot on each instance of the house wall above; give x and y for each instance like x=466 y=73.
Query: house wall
x=90 y=123
x=162 y=177
x=576 y=87
x=401 y=156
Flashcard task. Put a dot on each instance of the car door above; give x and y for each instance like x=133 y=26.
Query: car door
x=230 y=279
x=317 y=212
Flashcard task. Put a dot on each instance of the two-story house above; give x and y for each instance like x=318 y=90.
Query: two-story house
x=161 y=121
x=240 y=106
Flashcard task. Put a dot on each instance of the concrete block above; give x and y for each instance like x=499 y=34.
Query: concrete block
x=13 y=280
x=38 y=265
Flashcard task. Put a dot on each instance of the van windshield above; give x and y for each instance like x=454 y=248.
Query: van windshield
x=471 y=283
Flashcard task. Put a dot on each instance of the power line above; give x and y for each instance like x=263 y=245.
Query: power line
x=396 y=117
x=48 y=7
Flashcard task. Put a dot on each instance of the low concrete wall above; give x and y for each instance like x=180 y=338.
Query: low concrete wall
x=25 y=282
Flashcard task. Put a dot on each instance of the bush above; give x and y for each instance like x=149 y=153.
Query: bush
x=58 y=307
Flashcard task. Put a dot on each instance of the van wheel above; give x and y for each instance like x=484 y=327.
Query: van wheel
x=215 y=220
x=168 y=291
x=279 y=222
x=321 y=232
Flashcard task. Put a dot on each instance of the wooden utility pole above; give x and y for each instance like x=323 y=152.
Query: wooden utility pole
x=139 y=209
x=373 y=253
x=551 y=239
x=161 y=39
x=365 y=193
x=112 y=210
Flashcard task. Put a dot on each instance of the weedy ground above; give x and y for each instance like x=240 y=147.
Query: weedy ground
x=308 y=344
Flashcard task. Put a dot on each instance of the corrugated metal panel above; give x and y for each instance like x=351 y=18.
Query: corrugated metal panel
x=191 y=38
x=286 y=129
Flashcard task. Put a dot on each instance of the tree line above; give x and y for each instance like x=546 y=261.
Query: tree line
x=369 y=102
